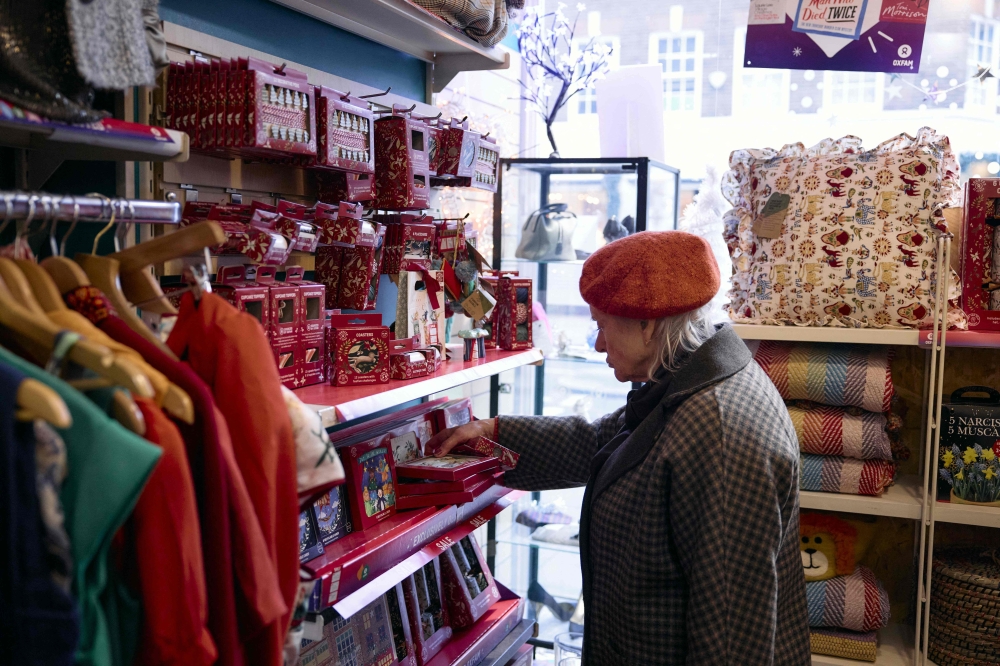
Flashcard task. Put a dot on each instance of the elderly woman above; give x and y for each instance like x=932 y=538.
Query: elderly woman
x=690 y=523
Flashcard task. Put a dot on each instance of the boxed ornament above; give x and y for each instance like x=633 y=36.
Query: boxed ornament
x=429 y=624
x=512 y=320
x=450 y=467
x=402 y=175
x=244 y=293
x=404 y=502
x=371 y=478
x=306 y=238
x=360 y=268
x=281 y=111
x=456 y=154
x=980 y=264
x=310 y=546
x=336 y=186
x=332 y=515
x=467 y=583
x=344 y=132
x=340 y=225
x=434 y=135
x=487 y=165
x=969 y=460
x=284 y=305
x=360 y=350
x=404 y=361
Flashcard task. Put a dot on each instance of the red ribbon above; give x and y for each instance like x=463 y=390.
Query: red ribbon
x=430 y=282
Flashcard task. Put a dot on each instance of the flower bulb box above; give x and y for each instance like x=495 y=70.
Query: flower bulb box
x=360 y=351
x=428 y=615
x=469 y=589
x=404 y=361
x=371 y=480
x=968 y=421
x=470 y=647
x=512 y=318
x=402 y=169
x=447 y=468
x=444 y=499
x=344 y=126
x=982 y=216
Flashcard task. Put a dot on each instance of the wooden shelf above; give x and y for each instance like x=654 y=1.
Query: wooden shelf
x=337 y=404
x=901 y=500
x=895 y=649
x=406 y=27
x=967 y=514
x=869 y=336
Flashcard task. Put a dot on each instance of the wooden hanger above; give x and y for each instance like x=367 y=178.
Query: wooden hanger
x=38 y=335
x=176 y=401
x=19 y=286
x=126 y=412
x=35 y=400
x=66 y=273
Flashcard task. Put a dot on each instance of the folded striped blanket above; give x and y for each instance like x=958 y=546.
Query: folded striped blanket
x=847 y=644
x=840 y=431
x=857 y=602
x=838 y=375
x=836 y=474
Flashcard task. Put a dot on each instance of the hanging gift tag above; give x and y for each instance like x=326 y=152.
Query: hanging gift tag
x=768 y=223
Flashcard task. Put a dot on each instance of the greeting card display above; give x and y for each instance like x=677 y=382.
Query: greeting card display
x=404 y=361
x=370 y=481
x=446 y=468
x=512 y=318
x=332 y=515
x=402 y=175
x=428 y=617
x=360 y=353
x=467 y=583
x=310 y=546
x=344 y=138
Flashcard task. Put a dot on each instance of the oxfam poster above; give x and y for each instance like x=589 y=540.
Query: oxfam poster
x=851 y=35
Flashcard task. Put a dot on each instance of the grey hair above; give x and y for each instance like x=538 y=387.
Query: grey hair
x=677 y=336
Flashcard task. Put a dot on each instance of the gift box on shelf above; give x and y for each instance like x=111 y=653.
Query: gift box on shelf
x=468 y=647
x=360 y=350
x=449 y=467
x=487 y=163
x=482 y=446
x=344 y=132
x=245 y=294
x=284 y=305
x=359 y=270
x=402 y=176
x=332 y=515
x=327 y=272
x=281 y=110
x=404 y=502
x=336 y=186
x=428 y=616
x=407 y=487
x=310 y=546
x=980 y=264
x=404 y=361
x=512 y=320
x=311 y=326
x=457 y=154
x=420 y=307
x=371 y=480
x=467 y=583
x=452 y=414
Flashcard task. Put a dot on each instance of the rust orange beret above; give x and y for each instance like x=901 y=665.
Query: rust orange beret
x=651 y=274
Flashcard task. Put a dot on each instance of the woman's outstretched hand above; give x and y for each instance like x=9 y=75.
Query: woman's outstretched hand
x=449 y=438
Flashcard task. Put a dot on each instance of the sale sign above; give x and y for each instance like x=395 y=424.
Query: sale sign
x=851 y=35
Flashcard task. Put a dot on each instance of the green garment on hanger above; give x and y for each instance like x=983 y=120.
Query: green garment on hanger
x=108 y=467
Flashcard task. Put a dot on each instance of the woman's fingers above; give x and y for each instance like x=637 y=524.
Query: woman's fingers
x=446 y=440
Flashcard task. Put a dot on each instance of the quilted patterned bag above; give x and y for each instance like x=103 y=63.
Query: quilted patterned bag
x=857 y=244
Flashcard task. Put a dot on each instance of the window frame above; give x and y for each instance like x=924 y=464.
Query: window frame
x=698 y=73
x=828 y=87
x=589 y=95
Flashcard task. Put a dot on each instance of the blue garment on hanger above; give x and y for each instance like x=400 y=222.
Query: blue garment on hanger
x=38 y=619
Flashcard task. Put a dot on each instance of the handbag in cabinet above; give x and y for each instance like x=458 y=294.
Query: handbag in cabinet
x=548 y=235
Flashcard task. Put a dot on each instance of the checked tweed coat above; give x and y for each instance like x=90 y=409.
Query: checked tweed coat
x=690 y=527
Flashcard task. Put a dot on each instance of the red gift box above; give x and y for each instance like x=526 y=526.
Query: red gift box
x=428 y=616
x=339 y=225
x=371 y=479
x=360 y=351
x=312 y=327
x=327 y=271
x=434 y=136
x=298 y=219
x=328 y=337
x=481 y=446
x=449 y=467
x=337 y=186
x=467 y=583
x=288 y=356
x=404 y=502
x=512 y=317
x=434 y=359
x=404 y=361
x=406 y=487
x=281 y=110
x=344 y=132
x=244 y=294
x=359 y=272
x=452 y=414
x=980 y=221
x=457 y=154
x=402 y=176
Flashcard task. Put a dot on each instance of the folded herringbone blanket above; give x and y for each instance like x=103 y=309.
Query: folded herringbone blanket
x=840 y=431
x=847 y=644
x=857 y=602
x=836 y=474
x=838 y=375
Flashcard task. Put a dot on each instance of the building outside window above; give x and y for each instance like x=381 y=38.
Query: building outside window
x=756 y=90
x=983 y=51
x=857 y=90
x=585 y=101
x=680 y=57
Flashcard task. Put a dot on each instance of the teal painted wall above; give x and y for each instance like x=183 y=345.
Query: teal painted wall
x=284 y=33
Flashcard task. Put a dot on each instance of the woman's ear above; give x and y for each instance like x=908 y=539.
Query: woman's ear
x=647 y=330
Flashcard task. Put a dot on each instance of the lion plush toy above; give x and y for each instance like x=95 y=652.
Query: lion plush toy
x=827 y=546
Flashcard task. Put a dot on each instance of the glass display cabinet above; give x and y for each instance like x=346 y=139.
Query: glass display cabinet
x=590 y=202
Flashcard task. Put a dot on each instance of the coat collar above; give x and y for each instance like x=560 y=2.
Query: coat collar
x=723 y=355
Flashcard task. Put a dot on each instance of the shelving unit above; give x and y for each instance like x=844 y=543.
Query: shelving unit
x=338 y=404
x=857 y=336
x=406 y=27
x=904 y=499
x=895 y=649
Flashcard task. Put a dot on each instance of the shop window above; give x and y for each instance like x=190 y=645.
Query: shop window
x=756 y=90
x=854 y=89
x=585 y=102
x=983 y=51
x=680 y=57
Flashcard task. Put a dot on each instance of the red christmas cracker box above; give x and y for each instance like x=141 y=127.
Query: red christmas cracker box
x=336 y=186
x=246 y=295
x=981 y=252
x=344 y=132
x=402 y=176
x=359 y=272
x=360 y=352
x=450 y=467
x=467 y=583
x=312 y=327
x=512 y=318
x=281 y=111
x=428 y=616
x=404 y=361
x=327 y=271
x=371 y=480
x=406 y=487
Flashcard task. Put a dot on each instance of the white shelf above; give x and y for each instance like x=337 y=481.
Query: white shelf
x=901 y=500
x=895 y=649
x=406 y=27
x=966 y=514
x=861 y=336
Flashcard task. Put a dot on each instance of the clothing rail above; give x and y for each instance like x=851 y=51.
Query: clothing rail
x=66 y=207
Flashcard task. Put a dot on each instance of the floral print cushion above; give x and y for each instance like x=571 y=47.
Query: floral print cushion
x=858 y=245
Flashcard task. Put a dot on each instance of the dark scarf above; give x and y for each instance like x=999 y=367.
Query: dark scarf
x=643 y=400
